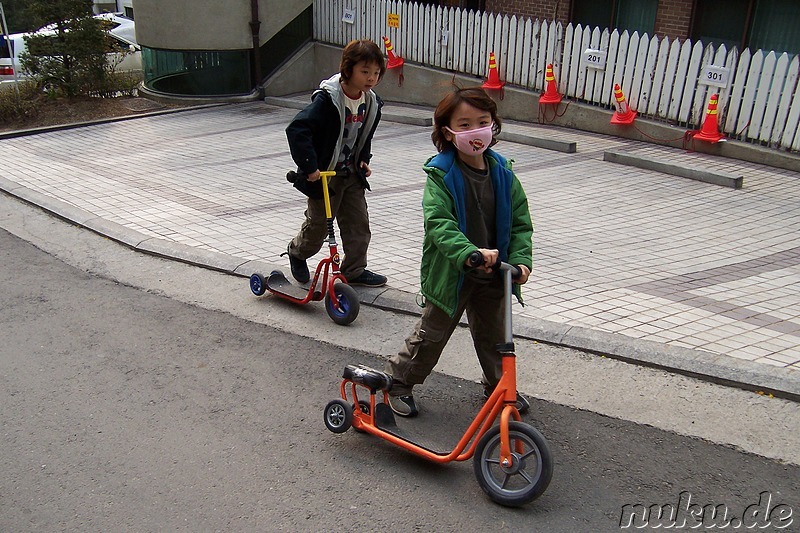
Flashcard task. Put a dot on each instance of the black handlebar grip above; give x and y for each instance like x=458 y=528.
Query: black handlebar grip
x=475 y=259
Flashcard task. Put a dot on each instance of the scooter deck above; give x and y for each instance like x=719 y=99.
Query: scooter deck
x=440 y=417
x=385 y=421
x=278 y=284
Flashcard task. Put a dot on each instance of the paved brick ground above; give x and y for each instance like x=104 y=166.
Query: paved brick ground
x=618 y=249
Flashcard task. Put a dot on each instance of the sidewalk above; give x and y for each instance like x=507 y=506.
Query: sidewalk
x=635 y=264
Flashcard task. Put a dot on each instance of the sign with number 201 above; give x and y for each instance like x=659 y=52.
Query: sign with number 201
x=595 y=58
x=349 y=16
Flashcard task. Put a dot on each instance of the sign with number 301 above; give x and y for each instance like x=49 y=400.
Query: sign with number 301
x=715 y=76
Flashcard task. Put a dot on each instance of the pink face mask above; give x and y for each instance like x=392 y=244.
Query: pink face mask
x=473 y=142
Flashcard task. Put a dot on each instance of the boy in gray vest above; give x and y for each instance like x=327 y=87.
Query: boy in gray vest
x=334 y=132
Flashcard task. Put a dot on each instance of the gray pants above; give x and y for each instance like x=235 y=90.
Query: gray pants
x=349 y=208
x=483 y=303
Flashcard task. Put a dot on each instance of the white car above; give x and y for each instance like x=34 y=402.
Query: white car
x=127 y=58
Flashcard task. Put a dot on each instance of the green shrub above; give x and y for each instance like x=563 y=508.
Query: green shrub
x=70 y=60
x=17 y=106
x=117 y=84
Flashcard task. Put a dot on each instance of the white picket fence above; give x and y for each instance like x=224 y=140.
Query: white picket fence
x=661 y=79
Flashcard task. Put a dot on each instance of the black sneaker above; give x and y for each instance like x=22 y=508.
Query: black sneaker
x=368 y=279
x=299 y=267
x=404 y=405
x=523 y=406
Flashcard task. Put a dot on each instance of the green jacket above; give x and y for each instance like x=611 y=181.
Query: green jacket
x=445 y=245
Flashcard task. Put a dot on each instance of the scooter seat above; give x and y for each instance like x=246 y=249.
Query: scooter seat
x=369 y=377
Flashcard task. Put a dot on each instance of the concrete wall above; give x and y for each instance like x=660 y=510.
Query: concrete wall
x=276 y=14
x=213 y=24
x=426 y=86
x=103 y=7
x=421 y=86
x=302 y=73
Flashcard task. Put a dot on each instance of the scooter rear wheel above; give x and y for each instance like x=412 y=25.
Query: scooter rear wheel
x=338 y=416
x=529 y=475
x=257 y=284
x=348 y=307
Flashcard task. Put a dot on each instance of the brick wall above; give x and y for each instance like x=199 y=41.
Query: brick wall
x=673 y=18
x=550 y=10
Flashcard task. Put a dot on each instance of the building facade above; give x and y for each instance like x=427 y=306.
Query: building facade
x=213 y=48
x=755 y=24
x=210 y=48
x=114 y=6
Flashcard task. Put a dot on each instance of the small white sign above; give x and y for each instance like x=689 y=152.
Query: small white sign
x=349 y=16
x=445 y=36
x=595 y=58
x=716 y=76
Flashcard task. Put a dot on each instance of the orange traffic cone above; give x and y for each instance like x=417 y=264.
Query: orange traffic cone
x=624 y=114
x=394 y=61
x=709 y=131
x=551 y=94
x=493 y=81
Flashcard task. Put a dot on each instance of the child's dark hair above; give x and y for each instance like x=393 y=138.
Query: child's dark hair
x=474 y=96
x=363 y=50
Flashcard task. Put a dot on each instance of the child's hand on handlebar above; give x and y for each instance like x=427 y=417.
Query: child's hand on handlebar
x=490 y=258
x=314 y=176
x=524 y=272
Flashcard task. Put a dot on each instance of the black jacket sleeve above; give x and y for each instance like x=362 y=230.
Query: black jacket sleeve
x=312 y=134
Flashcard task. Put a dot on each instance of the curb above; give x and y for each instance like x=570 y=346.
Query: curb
x=568 y=147
x=707 y=366
x=724 y=179
x=46 y=129
x=278 y=101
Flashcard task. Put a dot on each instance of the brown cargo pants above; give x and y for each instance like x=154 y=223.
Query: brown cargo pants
x=483 y=303
x=349 y=208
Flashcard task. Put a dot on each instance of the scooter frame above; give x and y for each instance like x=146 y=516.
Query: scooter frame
x=341 y=300
x=501 y=453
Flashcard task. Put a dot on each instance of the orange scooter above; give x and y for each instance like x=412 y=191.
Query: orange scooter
x=341 y=300
x=512 y=460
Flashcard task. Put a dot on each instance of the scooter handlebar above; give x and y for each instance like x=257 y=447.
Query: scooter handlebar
x=475 y=259
x=293 y=177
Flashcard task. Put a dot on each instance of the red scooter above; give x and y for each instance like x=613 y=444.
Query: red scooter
x=511 y=459
x=341 y=300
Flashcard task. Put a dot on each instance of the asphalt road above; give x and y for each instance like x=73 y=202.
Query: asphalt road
x=125 y=409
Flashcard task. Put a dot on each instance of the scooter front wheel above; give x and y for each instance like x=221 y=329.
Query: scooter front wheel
x=257 y=284
x=530 y=472
x=348 y=307
x=338 y=416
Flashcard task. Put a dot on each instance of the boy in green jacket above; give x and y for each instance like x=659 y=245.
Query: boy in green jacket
x=472 y=201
